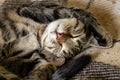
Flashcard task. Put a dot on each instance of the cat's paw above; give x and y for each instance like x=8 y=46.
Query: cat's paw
x=42 y=71
x=53 y=59
x=57 y=61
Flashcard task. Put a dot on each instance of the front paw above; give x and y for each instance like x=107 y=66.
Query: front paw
x=53 y=59
x=42 y=71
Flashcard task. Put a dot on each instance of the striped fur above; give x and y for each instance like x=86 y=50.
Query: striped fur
x=20 y=48
x=30 y=35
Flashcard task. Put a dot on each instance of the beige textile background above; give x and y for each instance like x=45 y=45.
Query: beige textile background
x=1 y=1
x=107 y=12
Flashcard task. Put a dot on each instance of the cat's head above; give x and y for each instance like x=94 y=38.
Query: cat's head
x=66 y=37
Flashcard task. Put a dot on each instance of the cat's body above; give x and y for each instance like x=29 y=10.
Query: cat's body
x=26 y=32
x=19 y=46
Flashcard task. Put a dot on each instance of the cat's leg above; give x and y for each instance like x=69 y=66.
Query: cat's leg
x=74 y=66
x=69 y=70
x=43 y=70
x=7 y=75
x=33 y=68
x=35 y=14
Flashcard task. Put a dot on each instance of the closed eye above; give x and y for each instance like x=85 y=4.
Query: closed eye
x=75 y=36
x=60 y=35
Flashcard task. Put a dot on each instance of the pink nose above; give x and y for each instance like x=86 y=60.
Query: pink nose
x=59 y=35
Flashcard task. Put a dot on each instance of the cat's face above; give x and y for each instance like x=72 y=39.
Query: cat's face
x=62 y=37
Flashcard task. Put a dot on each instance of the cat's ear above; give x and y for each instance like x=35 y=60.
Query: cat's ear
x=98 y=36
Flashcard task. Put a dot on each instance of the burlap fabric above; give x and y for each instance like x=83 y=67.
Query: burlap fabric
x=94 y=71
x=99 y=71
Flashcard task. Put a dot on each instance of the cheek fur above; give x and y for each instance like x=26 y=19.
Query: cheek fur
x=70 y=48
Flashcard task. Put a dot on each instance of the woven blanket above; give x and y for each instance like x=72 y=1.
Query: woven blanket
x=107 y=65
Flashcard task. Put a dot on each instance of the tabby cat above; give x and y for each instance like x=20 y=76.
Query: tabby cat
x=36 y=38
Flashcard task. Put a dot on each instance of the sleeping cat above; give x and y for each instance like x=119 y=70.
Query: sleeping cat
x=94 y=35
x=31 y=35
